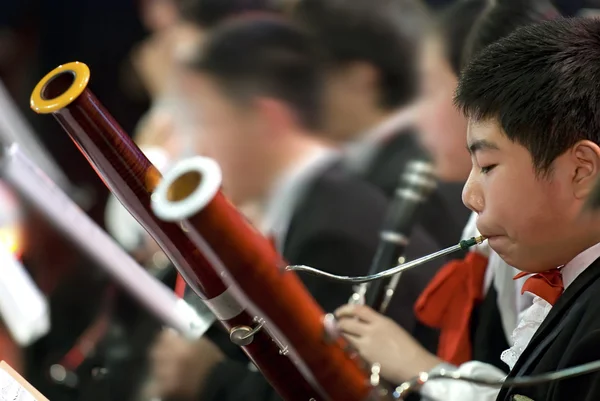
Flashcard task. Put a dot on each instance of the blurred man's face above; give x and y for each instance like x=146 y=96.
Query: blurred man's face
x=442 y=127
x=350 y=97
x=228 y=132
x=158 y=15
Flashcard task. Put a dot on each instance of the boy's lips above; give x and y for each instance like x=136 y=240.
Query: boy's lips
x=495 y=242
x=494 y=238
x=486 y=232
x=491 y=238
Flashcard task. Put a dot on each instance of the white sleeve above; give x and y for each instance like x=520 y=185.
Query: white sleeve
x=454 y=390
x=23 y=308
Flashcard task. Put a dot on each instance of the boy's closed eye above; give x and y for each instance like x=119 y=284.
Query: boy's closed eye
x=480 y=149
x=484 y=162
x=487 y=169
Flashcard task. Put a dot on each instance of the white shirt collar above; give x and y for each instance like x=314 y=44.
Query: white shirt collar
x=575 y=267
x=288 y=191
x=532 y=318
x=360 y=153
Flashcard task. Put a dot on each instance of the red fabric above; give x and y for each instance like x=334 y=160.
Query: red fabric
x=447 y=304
x=87 y=342
x=180 y=286
x=547 y=285
x=272 y=241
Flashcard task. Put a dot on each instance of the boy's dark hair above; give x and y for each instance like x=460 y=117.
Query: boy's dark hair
x=383 y=33
x=468 y=26
x=541 y=84
x=265 y=56
x=209 y=13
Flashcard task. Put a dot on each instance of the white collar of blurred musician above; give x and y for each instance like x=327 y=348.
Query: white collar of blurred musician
x=359 y=154
x=288 y=191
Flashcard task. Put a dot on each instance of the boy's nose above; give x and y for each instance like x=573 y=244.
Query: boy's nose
x=472 y=196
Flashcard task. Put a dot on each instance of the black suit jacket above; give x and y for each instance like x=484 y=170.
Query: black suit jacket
x=335 y=228
x=440 y=224
x=444 y=216
x=569 y=336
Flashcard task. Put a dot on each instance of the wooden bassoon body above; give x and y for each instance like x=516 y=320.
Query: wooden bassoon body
x=232 y=267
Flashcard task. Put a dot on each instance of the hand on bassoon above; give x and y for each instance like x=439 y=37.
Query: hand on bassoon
x=379 y=339
x=179 y=367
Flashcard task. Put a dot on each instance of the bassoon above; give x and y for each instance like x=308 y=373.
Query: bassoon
x=132 y=179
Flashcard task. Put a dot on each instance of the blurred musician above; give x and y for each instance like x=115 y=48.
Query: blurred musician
x=165 y=132
x=178 y=27
x=371 y=53
x=256 y=87
x=478 y=291
x=370 y=50
x=155 y=61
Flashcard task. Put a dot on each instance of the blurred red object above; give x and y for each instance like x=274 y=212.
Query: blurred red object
x=10 y=352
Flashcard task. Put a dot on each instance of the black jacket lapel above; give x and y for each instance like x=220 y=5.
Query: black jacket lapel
x=551 y=326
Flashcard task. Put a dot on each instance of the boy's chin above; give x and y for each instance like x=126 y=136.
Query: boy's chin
x=508 y=252
x=524 y=264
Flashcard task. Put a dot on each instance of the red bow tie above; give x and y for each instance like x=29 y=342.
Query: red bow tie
x=547 y=285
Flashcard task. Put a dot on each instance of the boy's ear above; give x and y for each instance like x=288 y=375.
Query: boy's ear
x=586 y=157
